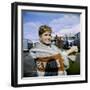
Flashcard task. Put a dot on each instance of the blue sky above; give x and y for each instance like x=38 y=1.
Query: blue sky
x=61 y=23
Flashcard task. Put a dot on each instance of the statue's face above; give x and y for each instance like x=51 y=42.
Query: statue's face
x=45 y=38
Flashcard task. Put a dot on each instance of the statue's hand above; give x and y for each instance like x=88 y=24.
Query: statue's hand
x=73 y=49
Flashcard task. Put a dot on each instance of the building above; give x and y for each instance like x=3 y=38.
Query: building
x=77 y=40
x=27 y=44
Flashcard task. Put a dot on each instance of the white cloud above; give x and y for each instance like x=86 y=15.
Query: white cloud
x=66 y=22
x=75 y=29
x=30 y=30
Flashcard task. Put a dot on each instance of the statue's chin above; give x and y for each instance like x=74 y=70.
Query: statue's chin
x=47 y=44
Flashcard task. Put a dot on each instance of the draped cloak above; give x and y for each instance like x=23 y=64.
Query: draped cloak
x=44 y=55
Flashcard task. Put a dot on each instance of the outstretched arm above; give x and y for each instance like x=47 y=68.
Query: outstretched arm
x=72 y=50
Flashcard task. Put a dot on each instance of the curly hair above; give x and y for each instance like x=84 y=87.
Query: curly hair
x=43 y=29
